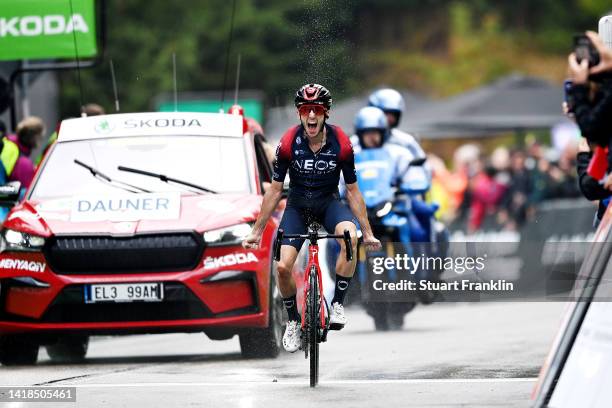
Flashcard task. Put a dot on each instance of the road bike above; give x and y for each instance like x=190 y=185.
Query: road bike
x=315 y=318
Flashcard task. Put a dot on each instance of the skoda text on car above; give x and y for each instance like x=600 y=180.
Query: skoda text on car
x=133 y=224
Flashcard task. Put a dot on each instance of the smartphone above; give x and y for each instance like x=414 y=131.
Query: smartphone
x=567 y=86
x=584 y=49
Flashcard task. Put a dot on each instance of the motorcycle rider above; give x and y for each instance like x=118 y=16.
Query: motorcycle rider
x=392 y=104
x=372 y=131
x=383 y=170
x=315 y=154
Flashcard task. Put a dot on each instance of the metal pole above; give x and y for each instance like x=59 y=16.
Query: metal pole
x=174 y=81
x=25 y=101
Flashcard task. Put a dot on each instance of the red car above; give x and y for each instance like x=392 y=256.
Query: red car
x=133 y=224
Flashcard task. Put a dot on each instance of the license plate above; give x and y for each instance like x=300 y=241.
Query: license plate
x=124 y=292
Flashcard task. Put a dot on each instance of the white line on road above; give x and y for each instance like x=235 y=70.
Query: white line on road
x=331 y=382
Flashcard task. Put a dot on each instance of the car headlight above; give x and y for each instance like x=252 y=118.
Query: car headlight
x=232 y=235
x=20 y=241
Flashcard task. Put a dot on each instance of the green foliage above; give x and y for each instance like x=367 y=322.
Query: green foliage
x=281 y=46
x=436 y=46
x=486 y=41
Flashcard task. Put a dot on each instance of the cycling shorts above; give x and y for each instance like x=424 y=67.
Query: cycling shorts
x=328 y=213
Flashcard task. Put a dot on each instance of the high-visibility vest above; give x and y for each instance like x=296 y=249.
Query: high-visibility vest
x=9 y=156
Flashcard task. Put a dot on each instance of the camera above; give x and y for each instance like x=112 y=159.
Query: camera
x=584 y=49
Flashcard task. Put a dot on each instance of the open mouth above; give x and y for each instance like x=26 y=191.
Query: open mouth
x=312 y=126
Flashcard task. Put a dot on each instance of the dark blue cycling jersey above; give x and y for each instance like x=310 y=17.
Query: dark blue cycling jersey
x=314 y=175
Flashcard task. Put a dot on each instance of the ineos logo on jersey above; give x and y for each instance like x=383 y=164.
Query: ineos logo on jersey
x=320 y=165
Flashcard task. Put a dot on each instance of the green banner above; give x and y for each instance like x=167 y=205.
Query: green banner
x=252 y=108
x=47 y=29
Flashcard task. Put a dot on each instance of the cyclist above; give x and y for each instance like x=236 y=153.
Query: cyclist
x=314 y=153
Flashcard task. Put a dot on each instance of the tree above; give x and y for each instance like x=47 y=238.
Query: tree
x=281 y=45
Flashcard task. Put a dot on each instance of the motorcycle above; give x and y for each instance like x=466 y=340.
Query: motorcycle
x=405 y=224
x=428 y=236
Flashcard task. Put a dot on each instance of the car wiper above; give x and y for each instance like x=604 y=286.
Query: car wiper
x=115 y=183
x=165 y=178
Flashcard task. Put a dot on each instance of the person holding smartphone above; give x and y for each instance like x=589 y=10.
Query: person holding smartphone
x=590 y=95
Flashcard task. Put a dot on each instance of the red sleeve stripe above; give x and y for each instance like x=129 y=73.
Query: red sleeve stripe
x=346 y=148
x=284 y=146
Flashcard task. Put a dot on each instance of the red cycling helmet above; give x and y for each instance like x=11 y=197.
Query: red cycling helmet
x=313 y=94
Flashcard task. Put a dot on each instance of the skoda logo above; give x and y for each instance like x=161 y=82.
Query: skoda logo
x=104 y=127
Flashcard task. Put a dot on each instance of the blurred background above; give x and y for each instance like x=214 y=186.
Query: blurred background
x=483 y=86
x=482 y=80
x=435 y=49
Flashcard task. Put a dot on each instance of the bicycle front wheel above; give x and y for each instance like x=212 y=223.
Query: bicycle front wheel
x=313 y=326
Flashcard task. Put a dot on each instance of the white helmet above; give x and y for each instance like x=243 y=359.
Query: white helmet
x=371 y=118
x=388 y=100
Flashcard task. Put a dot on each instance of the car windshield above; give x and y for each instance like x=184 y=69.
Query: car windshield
x=217 y=163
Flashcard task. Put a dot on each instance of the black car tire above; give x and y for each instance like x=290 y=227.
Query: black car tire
x=267 y=342
x=71 y=349
x=18 y=350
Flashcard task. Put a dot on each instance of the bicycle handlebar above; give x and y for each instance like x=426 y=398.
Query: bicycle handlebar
x=313 y=238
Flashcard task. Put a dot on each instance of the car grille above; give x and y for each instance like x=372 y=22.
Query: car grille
x=179 y=304
x=78 y=255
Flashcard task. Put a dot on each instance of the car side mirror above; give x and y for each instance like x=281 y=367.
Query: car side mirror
x=9 y=194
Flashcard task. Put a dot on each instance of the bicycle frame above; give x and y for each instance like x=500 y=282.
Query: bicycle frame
x=313 y=260
x=320 y=335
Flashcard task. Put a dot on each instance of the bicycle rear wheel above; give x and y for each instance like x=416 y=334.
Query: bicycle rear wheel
x=313 y=326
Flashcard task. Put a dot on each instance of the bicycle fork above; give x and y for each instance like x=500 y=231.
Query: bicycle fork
x=313 y=267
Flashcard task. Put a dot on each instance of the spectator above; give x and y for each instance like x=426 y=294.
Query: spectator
x=9 y=153
x=517 y=200
x=500 y=161
x=93 y=109
x=590 y=187
x=566 y=184
x=440 y=191
x=509 y=185
x=30 y=135
x=486 y=194
x=590 y=96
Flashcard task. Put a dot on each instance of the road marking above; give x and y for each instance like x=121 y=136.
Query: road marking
x=331 y=382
